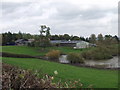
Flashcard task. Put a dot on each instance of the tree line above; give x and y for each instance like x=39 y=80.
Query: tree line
x=45 y=36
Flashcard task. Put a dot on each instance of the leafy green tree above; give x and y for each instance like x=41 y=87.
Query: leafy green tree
x=100 y=39
x=44 y=39
x=87 y=39
x=42 y=29
x=60 y=37
x=48 y=32
x=92 y=38
x=20 y=36
x=108 y=39
x=82 y=38
x=9 y=37
x=66 y=37
x=55 y=37
x=114 y=40
x=75 y=38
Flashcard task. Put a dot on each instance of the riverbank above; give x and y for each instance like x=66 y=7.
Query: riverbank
x=56 y=60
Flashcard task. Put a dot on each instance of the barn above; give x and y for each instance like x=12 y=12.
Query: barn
x=77 y=44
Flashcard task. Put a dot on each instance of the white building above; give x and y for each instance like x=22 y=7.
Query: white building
x=82 y=44
x=75 y=44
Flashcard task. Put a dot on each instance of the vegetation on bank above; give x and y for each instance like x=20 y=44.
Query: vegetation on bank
x=16 y=78
x=96 y=78
x=54 y=54
x=75 y=58
x=101 y=52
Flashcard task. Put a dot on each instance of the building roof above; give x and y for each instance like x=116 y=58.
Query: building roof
x=21 y=40
x=64 y=41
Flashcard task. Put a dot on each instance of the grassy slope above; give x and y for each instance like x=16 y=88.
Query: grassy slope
x=22 y=50
x=98 y=78
x=37 y=50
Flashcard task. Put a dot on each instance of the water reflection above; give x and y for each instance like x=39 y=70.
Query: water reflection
x=63 y=59
x=110 y=63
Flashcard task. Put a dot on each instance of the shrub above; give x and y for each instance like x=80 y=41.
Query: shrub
x=75 y=58
x=32 y=44
x=54 y=54
x=15 y=78
x=97 y=53
x=113 y=49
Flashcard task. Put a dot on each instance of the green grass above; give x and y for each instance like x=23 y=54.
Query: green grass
x=23 y=50
x=36 y=51
x=95 y=77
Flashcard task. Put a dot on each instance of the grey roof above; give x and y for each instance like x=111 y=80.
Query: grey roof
x=20 y=40
x=64 y=41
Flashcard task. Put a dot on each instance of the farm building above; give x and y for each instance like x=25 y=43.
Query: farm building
x=82 y=44
x=76 y=44
x=21 y=42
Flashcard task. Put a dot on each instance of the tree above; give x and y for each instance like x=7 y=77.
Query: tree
x=108 y=39
x=100 y=39
x=20 y=36
x=87 y=39
x=92 y=38
x=75 y=38
x=44 y=39
x=82 y=38
x=116 y=37
x=114 y=40
x=4 y=39
x=27 y=36
x=66 y=37
x=9 y=37
x=48 y=32
x=55 y=37
x=60 y=37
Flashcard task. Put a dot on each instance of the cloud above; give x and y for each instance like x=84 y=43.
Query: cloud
x=63 y=16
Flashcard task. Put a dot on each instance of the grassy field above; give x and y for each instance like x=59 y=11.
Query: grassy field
x=37 y=51
x=95 y=77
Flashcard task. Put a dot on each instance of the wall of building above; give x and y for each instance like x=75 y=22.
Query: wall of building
x=68 y=44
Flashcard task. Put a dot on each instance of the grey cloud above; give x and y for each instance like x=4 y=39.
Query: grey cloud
x=9 y=7
x=67 y=18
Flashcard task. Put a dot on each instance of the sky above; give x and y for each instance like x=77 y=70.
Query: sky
x=74 y=17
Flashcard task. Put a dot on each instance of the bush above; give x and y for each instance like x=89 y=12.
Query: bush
x=32 y=44
x=54 y=54
x=113 y=49
x=14 y=78
x=97 y=53
x=75 y=58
